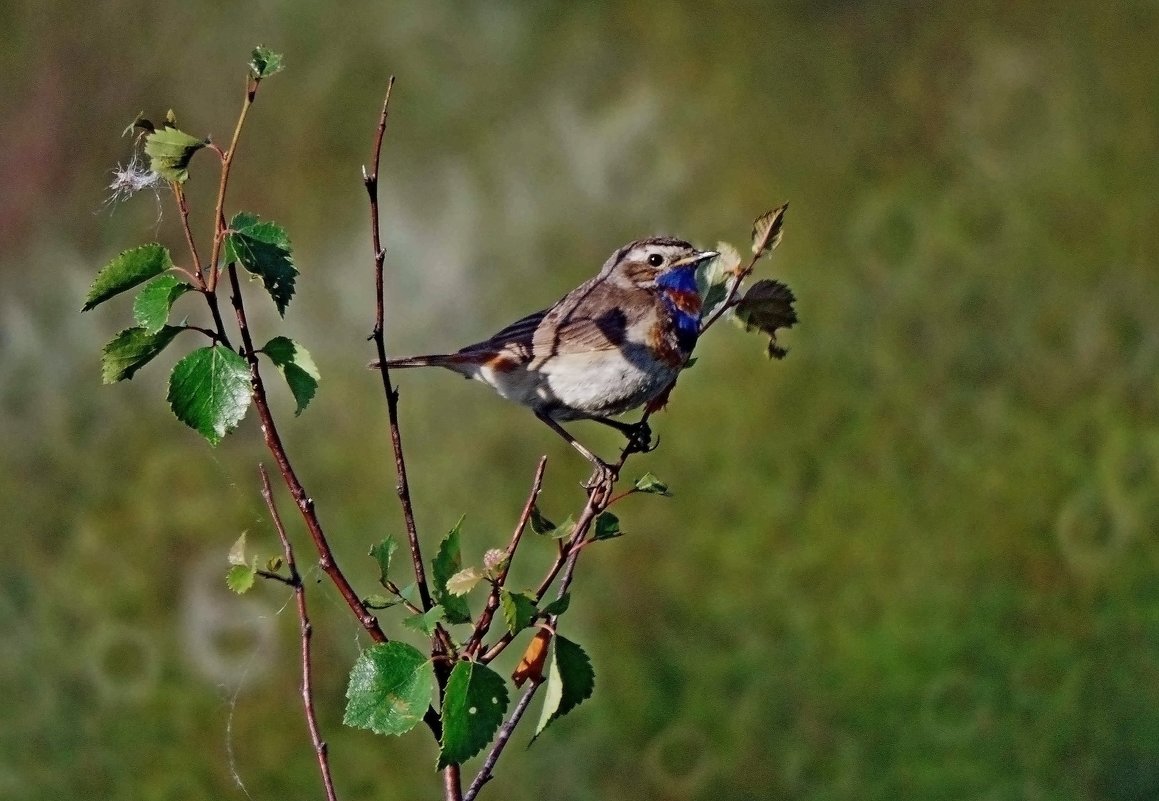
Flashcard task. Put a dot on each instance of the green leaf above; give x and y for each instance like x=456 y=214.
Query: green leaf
x=425 y=622
x=767 y=307
x=170 y=150
x=650 y=484
x=126 y=271
x=767 y=230
x=557 y=607
x=608 y=526
x=389 y=689
x=448 y=562
x=379 y=601
x=240 y=578
x=382 y=552
x=209 y=390
x=464 y=581
x=518 y=610
x=237 y=555
x=570 y=681
x=132 y=349
x=296 y=366
x=713 y=277
x=264 y=63
x=541 y=525
x=473 y=707
x=152 y=304
x=274 y=564
x=410 y=594
x=264 y=250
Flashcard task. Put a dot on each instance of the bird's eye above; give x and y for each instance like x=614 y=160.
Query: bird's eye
x=655 y=259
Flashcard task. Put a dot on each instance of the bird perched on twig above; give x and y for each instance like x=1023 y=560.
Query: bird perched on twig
x=612 y=344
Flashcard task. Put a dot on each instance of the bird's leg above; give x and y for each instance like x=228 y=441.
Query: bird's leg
x=605 y=474
x=639 y=434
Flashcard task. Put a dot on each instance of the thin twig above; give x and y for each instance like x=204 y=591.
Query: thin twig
x=488 y=613
x=485 y=772
x=306 y=631
x=226 y=162
x=598 y=499
x=370 y=180
x=183 y=208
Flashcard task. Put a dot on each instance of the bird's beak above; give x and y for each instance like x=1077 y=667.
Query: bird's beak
x=697 y=258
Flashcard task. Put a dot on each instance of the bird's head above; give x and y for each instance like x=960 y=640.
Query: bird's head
x=657 y=263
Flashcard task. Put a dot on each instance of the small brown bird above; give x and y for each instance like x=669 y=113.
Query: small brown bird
x=613 y=344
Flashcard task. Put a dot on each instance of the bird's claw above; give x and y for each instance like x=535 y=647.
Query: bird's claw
x=603 y=476
x=640 y=439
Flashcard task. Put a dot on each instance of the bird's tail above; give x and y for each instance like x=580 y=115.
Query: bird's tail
x=448 y=360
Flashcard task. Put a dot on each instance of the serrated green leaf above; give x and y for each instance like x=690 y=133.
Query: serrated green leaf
x=557 y=607
x=152 y=304
x=170 y=150
x=127 y=270
x=132 y=349
x=651 y=484
x=240 y=578
x=209 y=391
x=382 y=552
x=767 y=230
x=264 y=250
x=570 y=681
x=296 y=366
x=518 y=610
x=237 y=554
x=464 y=581
x=264 y=63
x=767 y=307
x=473 y=707
x=608 y=526
x=426 y=622
x=389 y=689
x=448 y=562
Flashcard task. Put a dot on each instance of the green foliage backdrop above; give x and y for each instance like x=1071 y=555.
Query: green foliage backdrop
x=915 y=559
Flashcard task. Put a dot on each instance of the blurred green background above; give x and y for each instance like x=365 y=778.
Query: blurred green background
x=916 y=559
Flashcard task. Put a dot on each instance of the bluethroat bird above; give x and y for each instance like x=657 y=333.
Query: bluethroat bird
x=612 y=344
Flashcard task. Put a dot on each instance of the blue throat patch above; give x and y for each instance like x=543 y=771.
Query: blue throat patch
x=682 y=279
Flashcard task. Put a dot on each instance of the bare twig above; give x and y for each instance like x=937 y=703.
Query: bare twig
x=305 y=630
x=441 y=642
x=220 y=228
x=488 y=613
x=485 y=772
x=183 y=208
x=370 y=180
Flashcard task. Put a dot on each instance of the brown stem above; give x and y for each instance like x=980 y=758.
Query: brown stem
x=302 y=500
x=402 y=488
x=598 y=499
x=452 y=783
x=488 y=613
x=223 y=184
x=305 y=631
x=485 y=772
x=183 y=208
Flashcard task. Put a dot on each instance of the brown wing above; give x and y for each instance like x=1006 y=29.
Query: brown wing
x=515 y=338
x=595 y=316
